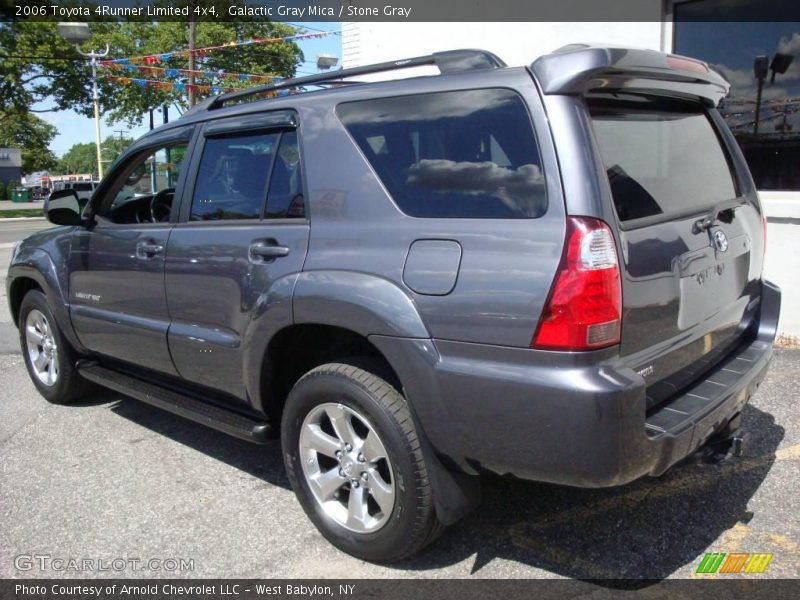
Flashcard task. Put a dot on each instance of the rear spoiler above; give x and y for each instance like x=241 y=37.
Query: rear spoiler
x=583 y=68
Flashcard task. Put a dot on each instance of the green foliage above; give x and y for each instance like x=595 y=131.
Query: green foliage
x=11 y=185
x=15 y=213
x=30 y=133
x=3 y=195
x=82 y=158
x=36 y=63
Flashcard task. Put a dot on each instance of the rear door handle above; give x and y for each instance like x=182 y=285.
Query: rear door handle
x=266 y=252
x=147 y=250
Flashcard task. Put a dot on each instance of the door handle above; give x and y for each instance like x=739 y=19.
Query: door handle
x=148 y=249
x=267 y=252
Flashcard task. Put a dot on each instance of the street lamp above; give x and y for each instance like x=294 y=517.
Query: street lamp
x=326 y=61
x=77 y=33
x=761 y=67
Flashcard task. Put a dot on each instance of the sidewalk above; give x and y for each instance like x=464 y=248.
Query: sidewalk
x=9 y=205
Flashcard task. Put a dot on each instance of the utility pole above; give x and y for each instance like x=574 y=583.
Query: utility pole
x=77 y=33
x=93 y=56
x=192 y=42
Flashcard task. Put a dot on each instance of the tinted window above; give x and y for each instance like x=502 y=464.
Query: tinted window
x=232 y=179
x=82 y=187
x=660 y=160
x=452 y=154
x=285 y=199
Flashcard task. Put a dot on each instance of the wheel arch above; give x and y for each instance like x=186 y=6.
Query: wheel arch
x=36 y=270
x=17 y=290
x=298 y=348
x=345 y=307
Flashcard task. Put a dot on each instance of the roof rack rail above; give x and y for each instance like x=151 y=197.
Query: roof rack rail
x=451 y=61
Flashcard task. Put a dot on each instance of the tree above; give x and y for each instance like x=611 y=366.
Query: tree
x=113 y=146
x=82 y=158
x=37 y=64
x=32 y=135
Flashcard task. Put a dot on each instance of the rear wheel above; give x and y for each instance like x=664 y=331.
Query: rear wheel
x=49 y=358
x=354 y=460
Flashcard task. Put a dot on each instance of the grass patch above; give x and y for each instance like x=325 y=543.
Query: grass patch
x=21 y=212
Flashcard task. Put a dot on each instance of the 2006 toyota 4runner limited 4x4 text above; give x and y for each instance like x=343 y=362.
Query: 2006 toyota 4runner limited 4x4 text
x=553 y=272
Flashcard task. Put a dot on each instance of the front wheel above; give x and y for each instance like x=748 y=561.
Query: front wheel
x=354 y=460
x=49 y=358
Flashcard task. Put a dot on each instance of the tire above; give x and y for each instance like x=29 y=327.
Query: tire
x=67 y=385
x=372 y=406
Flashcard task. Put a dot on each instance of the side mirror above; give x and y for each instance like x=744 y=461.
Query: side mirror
x=63 y=208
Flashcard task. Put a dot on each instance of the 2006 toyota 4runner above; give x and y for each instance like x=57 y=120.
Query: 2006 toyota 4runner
x=553 y=272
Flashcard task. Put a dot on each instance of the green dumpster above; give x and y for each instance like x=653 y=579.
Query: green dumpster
x=20 y=194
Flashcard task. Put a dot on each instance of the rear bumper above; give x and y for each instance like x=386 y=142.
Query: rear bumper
x=576 y=419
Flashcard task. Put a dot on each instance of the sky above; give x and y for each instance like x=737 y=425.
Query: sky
x=74 y=128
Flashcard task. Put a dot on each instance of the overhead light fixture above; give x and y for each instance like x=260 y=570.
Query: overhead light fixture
x=326 y=61
x=74 y=32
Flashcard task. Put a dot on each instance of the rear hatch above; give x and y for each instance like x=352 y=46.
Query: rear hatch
x=690 y=275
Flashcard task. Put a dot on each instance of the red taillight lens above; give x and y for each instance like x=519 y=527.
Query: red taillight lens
x=681 y=63
x=584 y=309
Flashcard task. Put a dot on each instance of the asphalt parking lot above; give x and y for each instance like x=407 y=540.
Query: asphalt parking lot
x=112 y=478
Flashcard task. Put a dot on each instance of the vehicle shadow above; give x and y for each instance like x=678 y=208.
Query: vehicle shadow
x=643 y=531
x=264 y=462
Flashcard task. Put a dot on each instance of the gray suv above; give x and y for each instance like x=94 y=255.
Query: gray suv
x=553 y=272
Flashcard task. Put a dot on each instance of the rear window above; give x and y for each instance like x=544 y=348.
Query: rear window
x=465 y=154
x=82 y=187
x=661 y=158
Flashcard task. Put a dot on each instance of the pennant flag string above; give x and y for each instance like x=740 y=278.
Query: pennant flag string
x=180 y=87
x=166 y=85
x=154 y=59
x=176 y=73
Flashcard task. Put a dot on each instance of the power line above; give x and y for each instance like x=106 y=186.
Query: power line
x=42 y=57
x=301 y=26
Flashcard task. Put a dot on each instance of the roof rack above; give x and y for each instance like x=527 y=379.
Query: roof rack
x=451 y=61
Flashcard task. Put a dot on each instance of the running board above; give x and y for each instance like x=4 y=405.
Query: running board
x=211 y=415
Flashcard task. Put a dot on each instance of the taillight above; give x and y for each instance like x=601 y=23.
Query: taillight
x=681 y=63
x=584 y=308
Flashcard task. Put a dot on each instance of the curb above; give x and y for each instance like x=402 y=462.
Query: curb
x=12 y=219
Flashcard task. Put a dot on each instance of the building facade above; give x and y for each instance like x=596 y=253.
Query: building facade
x=10 y=165
x=766 y=123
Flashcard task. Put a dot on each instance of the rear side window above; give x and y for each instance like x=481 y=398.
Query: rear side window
x=661 y=159
x=465 y=154
x=232 y=178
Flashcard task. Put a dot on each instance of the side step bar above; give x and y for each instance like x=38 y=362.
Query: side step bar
x=221 y=419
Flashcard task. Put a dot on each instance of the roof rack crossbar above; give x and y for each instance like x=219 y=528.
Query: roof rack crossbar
x=448 y=62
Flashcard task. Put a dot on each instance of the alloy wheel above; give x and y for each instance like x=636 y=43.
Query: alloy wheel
x=42 y=347
x=347 y=468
